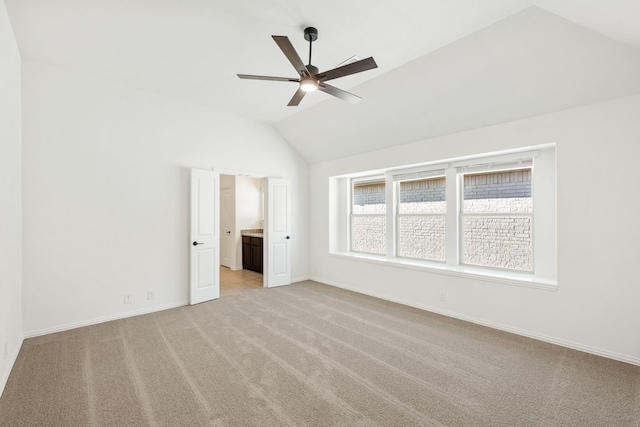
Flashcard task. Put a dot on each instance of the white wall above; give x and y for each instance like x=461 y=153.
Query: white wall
x=106 y=193
x=248 y=202
x=596 y=306
x=10 y=199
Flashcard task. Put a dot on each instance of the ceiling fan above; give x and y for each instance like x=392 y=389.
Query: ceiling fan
x=310 y=79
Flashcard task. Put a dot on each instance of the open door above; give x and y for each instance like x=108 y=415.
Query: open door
x=278 y=240
x=205 y=239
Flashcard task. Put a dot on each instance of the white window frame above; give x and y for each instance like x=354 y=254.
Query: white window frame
x=544 y=272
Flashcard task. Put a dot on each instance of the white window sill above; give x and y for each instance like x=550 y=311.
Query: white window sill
x=493 y=276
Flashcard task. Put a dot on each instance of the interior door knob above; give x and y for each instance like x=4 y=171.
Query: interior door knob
x=288 y=237
x=198 y=243
x=229 y=232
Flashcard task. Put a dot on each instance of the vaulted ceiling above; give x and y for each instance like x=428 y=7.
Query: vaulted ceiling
x=444 y=65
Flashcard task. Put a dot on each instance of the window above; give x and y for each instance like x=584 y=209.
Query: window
x=421 y=219
x=368 y=217
x=497 y=220
x=491 y=215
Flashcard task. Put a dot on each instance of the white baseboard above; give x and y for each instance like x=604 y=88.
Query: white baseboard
x=103 y=319
x=118 y=316
x=540 y=337
x=12 y=360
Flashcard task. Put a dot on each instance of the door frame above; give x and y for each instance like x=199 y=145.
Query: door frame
x=230 y=257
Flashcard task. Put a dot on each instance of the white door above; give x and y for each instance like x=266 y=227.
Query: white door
x=225 y=227
x=278 y=239
x=205 y=240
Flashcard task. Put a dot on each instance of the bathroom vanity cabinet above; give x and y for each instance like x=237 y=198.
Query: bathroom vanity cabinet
x=252 y=253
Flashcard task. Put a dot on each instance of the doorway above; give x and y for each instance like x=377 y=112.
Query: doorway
x=241 y=233
x=204 y=282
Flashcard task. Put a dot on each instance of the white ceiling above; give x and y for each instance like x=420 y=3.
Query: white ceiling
x=529 y=64
x=444 y=65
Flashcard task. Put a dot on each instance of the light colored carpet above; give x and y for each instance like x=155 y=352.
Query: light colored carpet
x=310 y=355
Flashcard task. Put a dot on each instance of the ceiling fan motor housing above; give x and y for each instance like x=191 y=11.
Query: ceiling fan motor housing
x=310 y=34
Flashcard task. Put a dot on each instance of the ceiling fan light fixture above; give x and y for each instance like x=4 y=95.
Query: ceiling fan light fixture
x=308 y=84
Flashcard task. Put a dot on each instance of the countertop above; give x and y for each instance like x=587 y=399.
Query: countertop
x=253 y=233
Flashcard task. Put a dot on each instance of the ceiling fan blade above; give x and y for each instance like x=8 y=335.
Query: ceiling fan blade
x=345 y=70
x=297 y=97
x=339 y=93
x=277 y=79
x=291 y=54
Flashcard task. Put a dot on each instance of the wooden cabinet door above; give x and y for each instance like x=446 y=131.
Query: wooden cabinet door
x=256 y=256
x=246 y=256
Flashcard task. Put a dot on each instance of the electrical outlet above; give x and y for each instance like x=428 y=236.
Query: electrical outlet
x=151 y=294
x=443 y=296
x=127 y=298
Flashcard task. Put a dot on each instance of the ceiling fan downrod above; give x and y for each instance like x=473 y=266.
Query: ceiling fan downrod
x=311 y=35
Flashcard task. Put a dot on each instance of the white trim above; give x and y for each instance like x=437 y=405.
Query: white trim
x=522 y=332
x=237 y=172
x=103 y=319
x=452 y=161
x=497 y=159
x=391 y=199
x=118 y=316
x=495 y=167
x=12 y=361
x=452 y=226
x=405 y=174
x=526 y=280
x=369 y=179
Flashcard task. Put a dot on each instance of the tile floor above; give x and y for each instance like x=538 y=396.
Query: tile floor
x=232 y=282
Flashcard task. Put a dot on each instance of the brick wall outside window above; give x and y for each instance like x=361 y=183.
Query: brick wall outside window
x=498 y=241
